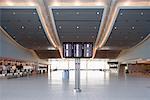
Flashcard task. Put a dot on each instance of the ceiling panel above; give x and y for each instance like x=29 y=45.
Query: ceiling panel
x=77 y=24
x=46 y=54
x=109 y=54
x=130 y=27
x=24 y=26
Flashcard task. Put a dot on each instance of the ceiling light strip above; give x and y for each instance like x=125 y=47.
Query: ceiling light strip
x=44 y=11
x=45 y=26
x=101 y=39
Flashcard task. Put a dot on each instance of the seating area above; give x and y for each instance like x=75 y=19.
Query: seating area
x=15 y=68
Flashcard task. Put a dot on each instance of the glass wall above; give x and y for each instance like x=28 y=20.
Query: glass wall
x=85 y=64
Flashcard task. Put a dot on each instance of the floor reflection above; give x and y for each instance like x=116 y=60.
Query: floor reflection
x=95 y=85
x=87 y=77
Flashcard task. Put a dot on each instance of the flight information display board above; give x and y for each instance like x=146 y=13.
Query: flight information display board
x=87 y=50
x=67 y=50
x=77 y=50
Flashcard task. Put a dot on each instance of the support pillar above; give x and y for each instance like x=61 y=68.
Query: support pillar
x=77 y=75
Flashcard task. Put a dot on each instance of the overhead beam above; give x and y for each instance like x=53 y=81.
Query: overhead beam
x=107 y=17
x=46 y=19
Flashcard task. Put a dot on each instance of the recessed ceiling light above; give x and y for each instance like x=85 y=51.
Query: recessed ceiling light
x=95 y=27
x=115 y=27
x=133 y=27
x=77 y=27
x=22 y=27
x=121 y=14
x=97 y=13
x=77 y=13
x=142 y=13
x=60 y=27
x=14 y=13
x=40 y=27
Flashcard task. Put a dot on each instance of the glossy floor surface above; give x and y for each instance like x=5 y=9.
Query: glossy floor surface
x=95 y=85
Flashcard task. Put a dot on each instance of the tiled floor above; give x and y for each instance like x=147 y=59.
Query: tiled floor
x=95 y=85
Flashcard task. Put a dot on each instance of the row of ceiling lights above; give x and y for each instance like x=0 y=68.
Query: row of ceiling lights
x=14 y=13
x=126 y=37
x=77 y=13
x=60 y=27
x=141 y=13
x=23 y=27
x=131 y=27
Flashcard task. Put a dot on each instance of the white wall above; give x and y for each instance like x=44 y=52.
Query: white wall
x=10 y=49
x=142 y=51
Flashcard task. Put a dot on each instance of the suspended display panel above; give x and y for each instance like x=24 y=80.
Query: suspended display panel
x=87 y=50
x=67 y=50
x=77 y=50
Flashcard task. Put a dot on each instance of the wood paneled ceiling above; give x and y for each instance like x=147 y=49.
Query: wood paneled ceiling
x=46 y=54
x=107 y=54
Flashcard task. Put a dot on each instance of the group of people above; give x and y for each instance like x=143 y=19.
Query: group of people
x=7 y=68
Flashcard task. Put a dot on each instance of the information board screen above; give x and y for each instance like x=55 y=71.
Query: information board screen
x=87 y=50
x=67 y=50
x=77 y=50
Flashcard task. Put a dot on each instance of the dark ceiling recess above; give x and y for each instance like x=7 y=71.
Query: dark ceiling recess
x=45 y=54
x=24 y=26
x=107 y=54
x=130 y=27
x=77 y=24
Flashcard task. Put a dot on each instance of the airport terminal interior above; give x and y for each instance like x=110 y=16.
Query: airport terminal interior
x=74 y=49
